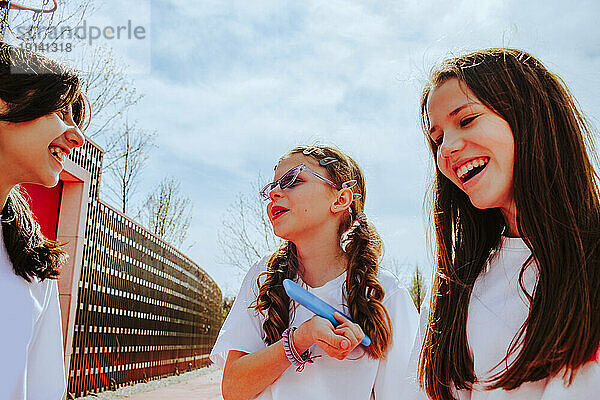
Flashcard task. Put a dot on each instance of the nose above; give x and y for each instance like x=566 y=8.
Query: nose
x=74 y=135
x=450 y=145
x=276 y=193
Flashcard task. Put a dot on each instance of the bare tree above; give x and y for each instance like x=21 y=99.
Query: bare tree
x=411 y=277
x=126 y=160
x=246 y=234
x=226 y=307
x=111 y=93
x=109 y=89
x=402 y=271
x=31 y=27
x=166 y=212
x=417 y=288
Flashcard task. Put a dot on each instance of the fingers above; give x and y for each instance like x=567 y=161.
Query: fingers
x=340 y=317
x=337 y=346
x=334 y=351
x=349 y=329
x=338 y=341
x=335 y=340
x=348 y=333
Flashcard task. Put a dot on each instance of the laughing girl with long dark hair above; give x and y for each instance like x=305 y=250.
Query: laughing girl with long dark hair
x=41 y=108
x=515 y=305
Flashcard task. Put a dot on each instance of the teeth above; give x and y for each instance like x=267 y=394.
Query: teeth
x=58 y=153
x=462 y=171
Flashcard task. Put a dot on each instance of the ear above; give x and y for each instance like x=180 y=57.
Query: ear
x=3 y=110
x=343 y=201
x=3 y=107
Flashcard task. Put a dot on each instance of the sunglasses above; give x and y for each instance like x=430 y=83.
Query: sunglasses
x=289 y=178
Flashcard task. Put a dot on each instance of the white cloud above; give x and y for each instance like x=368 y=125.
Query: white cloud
x=237 y=84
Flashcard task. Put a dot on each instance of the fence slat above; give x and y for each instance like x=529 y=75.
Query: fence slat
x=145 y=309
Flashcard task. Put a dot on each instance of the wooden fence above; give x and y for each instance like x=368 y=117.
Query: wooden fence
x=144 y=309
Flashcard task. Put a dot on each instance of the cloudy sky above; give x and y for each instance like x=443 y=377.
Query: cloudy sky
x=232 y=85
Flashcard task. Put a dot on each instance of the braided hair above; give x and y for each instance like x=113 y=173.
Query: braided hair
x=362 y=244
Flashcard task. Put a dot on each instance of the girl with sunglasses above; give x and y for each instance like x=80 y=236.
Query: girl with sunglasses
x=515 y=305
x=41 y=107
x=270 y=347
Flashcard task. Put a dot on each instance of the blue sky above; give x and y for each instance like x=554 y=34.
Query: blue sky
x=233 y=85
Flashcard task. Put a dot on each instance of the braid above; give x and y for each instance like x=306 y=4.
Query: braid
x=365 y=293
x=272 y=299
x=362 y=244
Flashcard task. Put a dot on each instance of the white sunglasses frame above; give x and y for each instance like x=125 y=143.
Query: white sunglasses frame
x=269 y=187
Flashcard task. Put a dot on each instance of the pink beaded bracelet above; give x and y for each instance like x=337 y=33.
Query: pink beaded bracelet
x=298 y=360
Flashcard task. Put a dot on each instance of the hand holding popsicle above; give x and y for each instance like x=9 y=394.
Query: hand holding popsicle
x=316 y=305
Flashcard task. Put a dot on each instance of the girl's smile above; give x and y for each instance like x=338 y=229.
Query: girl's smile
x=475 y=146
x=37 y=149
x=59 y=153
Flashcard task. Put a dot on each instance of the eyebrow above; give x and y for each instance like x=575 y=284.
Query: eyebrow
x=454 y=112
x=458 y=109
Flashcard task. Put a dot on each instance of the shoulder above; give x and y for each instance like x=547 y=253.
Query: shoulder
x=250 y=282
x=391 y=285
x=258 y=268
x=47 y=287
x=585 y=384
x=388 y=280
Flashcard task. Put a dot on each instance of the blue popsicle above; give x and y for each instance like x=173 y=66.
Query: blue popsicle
x=315 y=304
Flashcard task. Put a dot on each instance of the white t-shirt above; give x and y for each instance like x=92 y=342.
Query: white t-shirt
x=31 y=348
x=327 y=377
x=497 y=310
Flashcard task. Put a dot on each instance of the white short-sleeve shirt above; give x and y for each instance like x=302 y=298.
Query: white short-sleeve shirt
x=31 y=347
x=497 y=310
x=355 y=377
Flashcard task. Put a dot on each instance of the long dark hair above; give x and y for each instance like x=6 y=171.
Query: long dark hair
x=363 y=246
x=32 y=86
x=558 y=216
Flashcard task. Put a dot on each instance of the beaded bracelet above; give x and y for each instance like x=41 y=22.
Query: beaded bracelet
x=298 y=360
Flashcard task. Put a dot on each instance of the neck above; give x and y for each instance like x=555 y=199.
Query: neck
x=3 y=197
x=5 y=186
x=4 y=191
x=320 y=257
x=510 y=218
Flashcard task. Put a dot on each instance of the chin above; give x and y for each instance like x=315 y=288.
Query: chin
x=283 y=234
x=49 y=181
x=479 y=205
x=277 y=231
x=483 y=204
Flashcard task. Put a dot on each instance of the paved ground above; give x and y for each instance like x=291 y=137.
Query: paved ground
x=204 y=387
x=202 y=384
